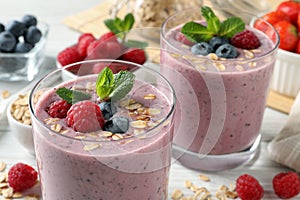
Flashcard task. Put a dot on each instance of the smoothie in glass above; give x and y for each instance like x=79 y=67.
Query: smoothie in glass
x=105 y=164
x=221 y=101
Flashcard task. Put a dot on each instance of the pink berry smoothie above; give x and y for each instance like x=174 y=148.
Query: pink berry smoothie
x=221 y=102
x=98 y=165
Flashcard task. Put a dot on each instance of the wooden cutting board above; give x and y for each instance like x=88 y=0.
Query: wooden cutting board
x=91 y=20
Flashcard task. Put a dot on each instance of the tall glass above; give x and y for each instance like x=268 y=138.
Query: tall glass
x=221 y=102
x=101 y=164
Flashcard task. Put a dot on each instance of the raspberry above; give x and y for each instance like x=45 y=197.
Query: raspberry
x=245 y=40
x=21 y=177
x=85 y=116
x=83 y=42
x=286 y=185
x=110 y=36
x=58 y=109
x=180 y=37
x=99 y=49
x=248 y=188
x=115 y=67
x=134 y=55
x=68 y=56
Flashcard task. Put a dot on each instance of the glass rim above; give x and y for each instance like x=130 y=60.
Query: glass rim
x=164 y=31
x=54 y=72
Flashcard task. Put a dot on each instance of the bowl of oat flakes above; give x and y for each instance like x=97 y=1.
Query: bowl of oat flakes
x=19 y=120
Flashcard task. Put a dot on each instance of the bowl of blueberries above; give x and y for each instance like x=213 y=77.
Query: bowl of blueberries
x=22 y=45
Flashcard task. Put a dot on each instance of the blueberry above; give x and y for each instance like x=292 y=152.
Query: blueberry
x=29 y=20
x=227 y=51
x=117 y=125
x=23 y=47
x=7 y=41
x=2 y=27
x=16 y=28
x=32 y=35
x=108 y=109
x=202 y=48
x=216 y=42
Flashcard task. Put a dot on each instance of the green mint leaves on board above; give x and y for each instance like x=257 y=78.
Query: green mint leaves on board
x=197 y=32
x=114 y=86
x=72 y=96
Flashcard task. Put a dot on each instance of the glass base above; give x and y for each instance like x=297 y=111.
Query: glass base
x=214 y=162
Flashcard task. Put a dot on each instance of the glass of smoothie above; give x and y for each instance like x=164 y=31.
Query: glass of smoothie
x=91 y=145
x=221 y=82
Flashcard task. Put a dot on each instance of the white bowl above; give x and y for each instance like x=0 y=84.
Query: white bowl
x=21 y=132
x=286 y=73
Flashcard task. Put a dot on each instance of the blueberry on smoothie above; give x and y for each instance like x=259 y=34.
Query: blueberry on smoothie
x=108 y=109
x=202 y=48
x=226 y=51
x=217 y=41
x=117 y=125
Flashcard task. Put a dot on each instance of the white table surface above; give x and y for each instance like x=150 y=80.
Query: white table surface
x=61 y=36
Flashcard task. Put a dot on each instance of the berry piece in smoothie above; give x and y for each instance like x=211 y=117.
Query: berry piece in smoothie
x=108 y=109
x=202 y=48
x=226 y=51
x=59 y=109
x=85 y=116
x=21 y=177
x=249 y=188
x=117 y=125
x=286 y=185
x=216 y=42
x=245 y=40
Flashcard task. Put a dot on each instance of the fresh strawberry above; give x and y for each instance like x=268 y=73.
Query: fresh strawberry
x=85 y=116
x=22 y=177
x=83 y=42
x=134 y=55
x=245 y=40
x=288 y=34
x=291 y=9
x=58 y=109
x=68 y=56
x=271 y=17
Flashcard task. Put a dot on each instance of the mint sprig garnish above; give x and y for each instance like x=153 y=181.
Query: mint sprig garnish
x=114 y=86
x=120 y=27
x=72 y=96
x=197 y=32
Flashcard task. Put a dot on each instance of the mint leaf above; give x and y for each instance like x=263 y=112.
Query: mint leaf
x=72 y=96
x=231 y=26
x=113 y=25
x=105 y=83
x=196 y=32
x=124 y=81
x=128 y=22
x=136 y=43
x=114 y=86
x=213 y=22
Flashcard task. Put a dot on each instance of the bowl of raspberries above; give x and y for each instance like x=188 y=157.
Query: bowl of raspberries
x=286 y=20
x=22 y=43
x=107 y=46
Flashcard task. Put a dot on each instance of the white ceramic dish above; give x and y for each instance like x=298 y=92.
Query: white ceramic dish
x=285 y=78
x=21 y=132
